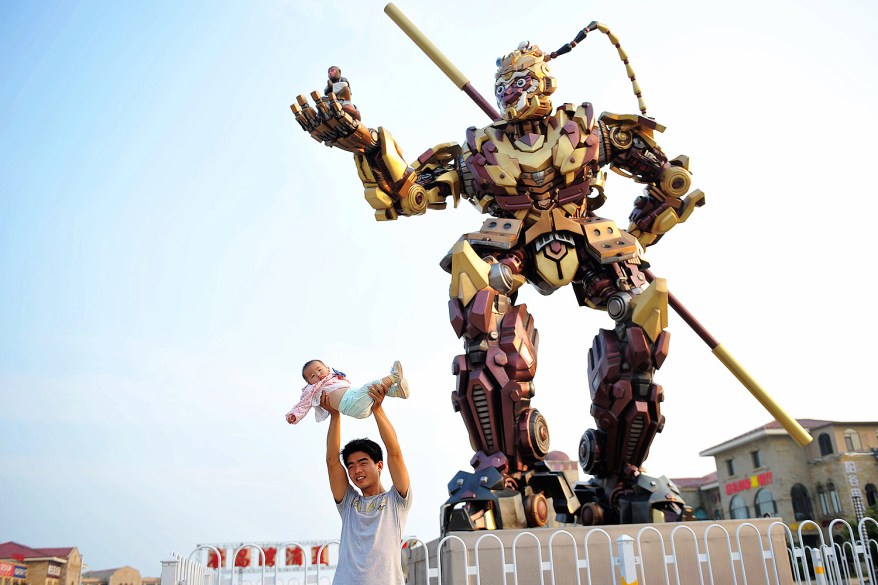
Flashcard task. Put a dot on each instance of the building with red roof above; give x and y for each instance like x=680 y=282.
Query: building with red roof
x=45 y=566
x=763 y=472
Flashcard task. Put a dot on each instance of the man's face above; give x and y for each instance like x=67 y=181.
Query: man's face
x=334 y=73
x=363 y=472
x=315 y=372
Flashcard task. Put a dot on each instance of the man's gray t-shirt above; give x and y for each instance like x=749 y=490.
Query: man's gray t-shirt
x=371 y=535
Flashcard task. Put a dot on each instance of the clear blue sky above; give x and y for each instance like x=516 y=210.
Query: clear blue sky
x=172 y=247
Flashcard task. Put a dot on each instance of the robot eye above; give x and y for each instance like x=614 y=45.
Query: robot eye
x=521 y=82
x=500 y=90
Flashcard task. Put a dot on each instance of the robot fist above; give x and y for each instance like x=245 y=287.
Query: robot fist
x=333 y=124
x=652 y=219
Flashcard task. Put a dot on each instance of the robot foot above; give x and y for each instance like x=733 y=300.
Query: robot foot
x=646 y=500
x=487 y=499
x=481 y=501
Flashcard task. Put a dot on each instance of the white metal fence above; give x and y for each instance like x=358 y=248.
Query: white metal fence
x=189 y=571
x=745 y=555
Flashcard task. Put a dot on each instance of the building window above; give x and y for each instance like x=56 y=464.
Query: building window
x=825 y=444
x=852 y=440
x=821 y=499
x=738 y=508
x=833 y=497
x=871 y=495
x=764 y=503
x=801 y=503
x=754 y=456
x=730 y=466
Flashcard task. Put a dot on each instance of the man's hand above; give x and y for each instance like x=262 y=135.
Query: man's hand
x=327 y=122
x=324 y=403
x=377 y=392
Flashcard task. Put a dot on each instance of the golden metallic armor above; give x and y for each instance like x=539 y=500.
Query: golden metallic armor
x=525 y=66
x=538 y=175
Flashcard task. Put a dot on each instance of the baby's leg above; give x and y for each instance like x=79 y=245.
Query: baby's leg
x=336 y=396
x=356 y=402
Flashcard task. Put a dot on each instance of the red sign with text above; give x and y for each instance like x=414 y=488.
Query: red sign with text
x=754 y=481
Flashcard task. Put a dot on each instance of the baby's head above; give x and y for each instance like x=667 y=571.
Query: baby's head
x=314 y=370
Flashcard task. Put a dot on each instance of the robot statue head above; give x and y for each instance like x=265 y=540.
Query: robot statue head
x=523 y=84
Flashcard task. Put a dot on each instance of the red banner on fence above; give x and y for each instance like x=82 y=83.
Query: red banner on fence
x=212 y=559
x=324 y=556
x=295 y=556
x=242 y=559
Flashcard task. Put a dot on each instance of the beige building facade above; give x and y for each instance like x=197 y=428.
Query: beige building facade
x=120 y=576
x=765 y=473
x=46 y=566
x=701 y=494
x=12 y=572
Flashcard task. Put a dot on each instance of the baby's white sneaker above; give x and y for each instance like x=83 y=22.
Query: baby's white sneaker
x=400 y=388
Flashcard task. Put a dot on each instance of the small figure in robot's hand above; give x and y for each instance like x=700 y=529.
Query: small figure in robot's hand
x=338 y=85
x=537 y=174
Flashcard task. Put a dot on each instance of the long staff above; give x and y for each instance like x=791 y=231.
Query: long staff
x=791 y=425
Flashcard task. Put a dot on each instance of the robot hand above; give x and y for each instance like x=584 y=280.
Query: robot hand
x=329 y=123
x=651 y=219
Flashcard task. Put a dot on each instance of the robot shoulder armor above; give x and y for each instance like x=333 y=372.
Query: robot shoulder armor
x=477 y=137
x=631 y=123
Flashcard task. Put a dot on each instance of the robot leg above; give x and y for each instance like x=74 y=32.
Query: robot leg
x=626 y=405
x=493 y=391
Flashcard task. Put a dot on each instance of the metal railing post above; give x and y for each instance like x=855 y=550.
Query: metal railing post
x=627 y=559
x=819 y=571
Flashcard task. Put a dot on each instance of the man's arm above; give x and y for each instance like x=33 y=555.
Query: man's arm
x=399 y=473
x=338 y=478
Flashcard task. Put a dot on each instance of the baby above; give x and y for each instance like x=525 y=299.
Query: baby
x=354 y=402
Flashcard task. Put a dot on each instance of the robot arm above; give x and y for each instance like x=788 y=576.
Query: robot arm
x=391 y=186
x=629 y=147
x=394 y=188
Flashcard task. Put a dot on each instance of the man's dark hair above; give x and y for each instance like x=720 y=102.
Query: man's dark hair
x=367 y=446
x=308 y=363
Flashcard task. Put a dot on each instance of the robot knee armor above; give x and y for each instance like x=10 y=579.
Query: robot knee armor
x=533 y=435
x=619 y=306
x=591 y=447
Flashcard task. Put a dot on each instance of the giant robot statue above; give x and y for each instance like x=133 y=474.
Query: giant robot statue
x=536 y=173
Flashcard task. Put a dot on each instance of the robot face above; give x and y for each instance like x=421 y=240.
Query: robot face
x=516 y=93
x=523 y=84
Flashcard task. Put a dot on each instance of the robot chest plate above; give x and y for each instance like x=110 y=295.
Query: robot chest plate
x=536 y=171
